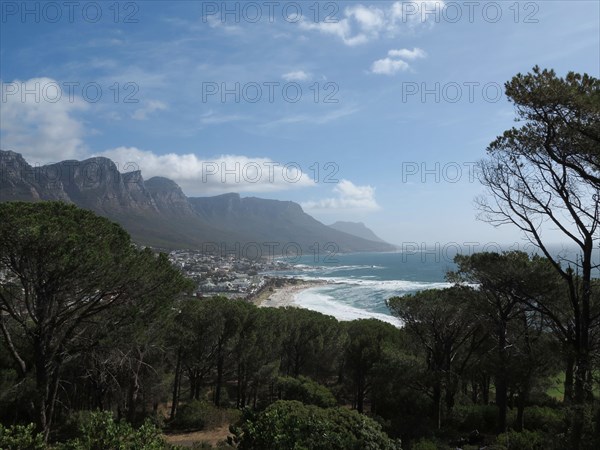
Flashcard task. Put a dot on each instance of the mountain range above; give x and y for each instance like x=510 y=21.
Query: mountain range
x=357 y=229
x=157 y=213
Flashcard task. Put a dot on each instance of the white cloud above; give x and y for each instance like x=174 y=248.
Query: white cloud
x=298 y=75
x=212 y=118
x=404 y=53
x=341 y=29
x=318 y=119
x=348 y=196
x=40 y=125
x=388 y=66
x=215 y=22
x=392 y=64
x=150 y=107
x=360 y=24
x=222 y=174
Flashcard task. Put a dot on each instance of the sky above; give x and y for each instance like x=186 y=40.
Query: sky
x=360 y=111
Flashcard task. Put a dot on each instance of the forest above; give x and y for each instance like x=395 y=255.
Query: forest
x=103 y=345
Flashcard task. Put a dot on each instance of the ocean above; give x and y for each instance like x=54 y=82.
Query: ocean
x=358 y=284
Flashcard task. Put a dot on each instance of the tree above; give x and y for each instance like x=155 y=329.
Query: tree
x=440 y=320
x=562 y=117
x=63 y=267
x=367 y=339
x=545 y=174
x=311 y=342
x=506 y=284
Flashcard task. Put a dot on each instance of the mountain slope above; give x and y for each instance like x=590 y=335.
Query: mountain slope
x=283 y=222
x=357 y=229
x=157 y=213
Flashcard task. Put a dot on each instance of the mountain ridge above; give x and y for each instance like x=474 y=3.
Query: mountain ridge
x=157 y=213
x=357 y=229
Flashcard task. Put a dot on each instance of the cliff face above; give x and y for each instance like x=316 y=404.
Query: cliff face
x=97 y=184
x=156 y=211
x=20 y=181
x=168 y=197
x=277 y=221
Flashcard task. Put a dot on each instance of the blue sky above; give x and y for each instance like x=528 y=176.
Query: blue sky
x=383 y=106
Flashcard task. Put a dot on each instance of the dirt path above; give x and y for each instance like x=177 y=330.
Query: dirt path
x=213 y=437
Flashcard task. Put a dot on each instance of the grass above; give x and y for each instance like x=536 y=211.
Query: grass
x=557 y=387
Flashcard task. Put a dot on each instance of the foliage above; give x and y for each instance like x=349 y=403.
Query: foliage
x=424 y=444
x=446 y=331
x=99 y=431
x=467 y=418
x=291 y=425
x=306 y=391
x=524 y=440
x=64 y=269
x=546 y=419
x=202 y=415
x=21 y=437
x=545 y=175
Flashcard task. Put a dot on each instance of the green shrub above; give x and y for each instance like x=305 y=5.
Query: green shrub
x=549 y=420
x=424 y=444
x=294 y=425
x=474 y=417
x=206 y=446
x=306 y=391
x=524 y=440
x=20 y=437
x=99 y=431
x=201 y=415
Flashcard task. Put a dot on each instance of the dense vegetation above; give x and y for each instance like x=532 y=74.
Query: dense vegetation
x=102 y=347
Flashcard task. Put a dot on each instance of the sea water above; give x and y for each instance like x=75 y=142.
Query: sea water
x=359 y=284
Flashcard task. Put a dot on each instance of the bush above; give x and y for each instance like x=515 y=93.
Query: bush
x=200 y=415
x=306 y=391
x=474 y=417
x=293 y=425
x=206 y=446
x=424 y=444
x=21 y=437
x=99 y=431
x=549 y=420
x=524 y=440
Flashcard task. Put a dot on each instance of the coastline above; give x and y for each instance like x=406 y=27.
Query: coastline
x=282 y=296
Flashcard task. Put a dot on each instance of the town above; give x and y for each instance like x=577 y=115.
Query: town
x=228 y=275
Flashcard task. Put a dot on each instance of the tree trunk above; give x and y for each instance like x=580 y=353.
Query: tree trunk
x=437 y=405
x=569 y=370
x=485 y=390
x=238 y=392
x=501 y=379
x=219 y=381
x=192 y=378
x=449 y=400
x=521 y=401
x=582 y=389
x=42 y=382
x=176 y=383
x=134 y=388
x=581 y=394
x=474 y=392
x=360 y=391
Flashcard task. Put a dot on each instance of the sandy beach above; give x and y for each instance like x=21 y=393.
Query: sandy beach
x=284 y=296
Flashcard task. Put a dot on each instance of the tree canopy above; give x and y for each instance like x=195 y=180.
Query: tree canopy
x=62 y=268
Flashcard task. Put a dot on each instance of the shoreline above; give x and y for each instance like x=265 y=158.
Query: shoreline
x=282 y=296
